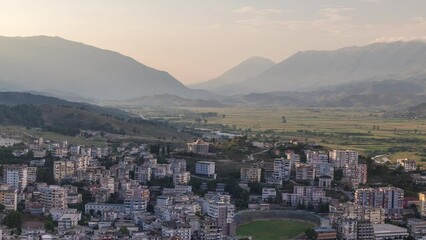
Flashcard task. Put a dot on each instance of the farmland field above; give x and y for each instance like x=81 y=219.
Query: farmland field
x=364 y=130
x=273 y=229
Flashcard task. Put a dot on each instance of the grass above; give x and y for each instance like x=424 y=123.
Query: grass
x=273 y=229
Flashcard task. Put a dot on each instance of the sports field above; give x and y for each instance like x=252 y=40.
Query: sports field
x=273 y=229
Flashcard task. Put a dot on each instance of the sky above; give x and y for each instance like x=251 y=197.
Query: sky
x=197 y=40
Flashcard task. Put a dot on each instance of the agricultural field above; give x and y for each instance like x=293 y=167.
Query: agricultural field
x=364 y=130
x=273 y=229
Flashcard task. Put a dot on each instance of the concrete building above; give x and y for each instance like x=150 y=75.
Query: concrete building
x=63 y=169
x=9 y=197
x=250 y=174
x=342 y=158
x=209 y=230
x=224 y=214
x=365 y=230
x=205 y=168
x=422 y=204
x=15 y=176
x=68 y=221
x=325 y=233
x=389 y=198
x=407 y=165
x=105 y=207
x=281 y=171
x=388 y=231
x=199 y=147
x=181 y=178
x=416 y=228
x=54 y=196
x=173 y=229
x=268 y=194
x=143 y=173
x=305 y=172
x=314 y=157
x=31 y=174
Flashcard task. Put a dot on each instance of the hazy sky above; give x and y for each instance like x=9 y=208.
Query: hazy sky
x=196 y=40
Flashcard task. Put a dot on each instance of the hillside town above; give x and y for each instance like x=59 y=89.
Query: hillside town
x=57 y=190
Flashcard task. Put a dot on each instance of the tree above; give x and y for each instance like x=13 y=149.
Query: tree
x=49 y=225
x=2 y=208
x=14 y=221
x=310 y=233
x=124 y=231
x=283 y=119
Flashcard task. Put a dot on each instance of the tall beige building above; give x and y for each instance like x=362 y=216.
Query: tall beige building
x=54 y=197
x=199 y=147
x=63 y=169
x=9 y=197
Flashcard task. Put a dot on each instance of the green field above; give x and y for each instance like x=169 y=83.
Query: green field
x=273 y=229
x=359 y=129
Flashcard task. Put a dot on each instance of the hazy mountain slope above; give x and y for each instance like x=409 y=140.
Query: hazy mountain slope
x=312 y=69
x=394 y=94
x=247 y=69
x=45 y=63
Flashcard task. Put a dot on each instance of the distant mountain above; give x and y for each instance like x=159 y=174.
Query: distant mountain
x=167 y=100
x=247 y=69
x=417 y=111
x=54 y=65
x=310 y=70
x=395 y=94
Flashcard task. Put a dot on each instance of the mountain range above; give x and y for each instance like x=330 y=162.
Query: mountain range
x=376 y=75
x=312 y=70
x=53 y=64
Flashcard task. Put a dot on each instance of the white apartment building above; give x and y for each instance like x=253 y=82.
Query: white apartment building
x=181 y=178
x=205 y=168
x=15 y=176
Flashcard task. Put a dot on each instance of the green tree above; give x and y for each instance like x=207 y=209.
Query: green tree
x=2 y=208
x=49 y=225
x=13 y=220
x=124 y=231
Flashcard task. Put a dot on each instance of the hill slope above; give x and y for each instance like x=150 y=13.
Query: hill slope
x=69 y=118
x=50 y=64
x=247 y=69
x=313 y=69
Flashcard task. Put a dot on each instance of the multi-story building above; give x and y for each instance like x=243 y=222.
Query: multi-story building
x=355 y=174
x=324 y=169
x=205 y=168
x=314 y=157
x=250 y=174
x=63 y=169
x=416 y=228
x=209 y=230
x=143 y=173
x=281 y=171
x=365 y=230
x=269 y=194
x=9 y=197
x=181 y=178
x=68 y=221
x=389 y=198
x=305 y=195
x=54 y=196
x=199 y=147
x=422 y=204
x=407 y=164
x=223 y=213
x=174 y=229
x=305 y=172
x=31 y=174
x=347 y=229
x=15 y=176
x=342 y=158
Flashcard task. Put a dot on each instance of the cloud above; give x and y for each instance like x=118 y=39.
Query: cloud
x=337 y=13
x=258 y=11
x=398 y=39
x=372 y=1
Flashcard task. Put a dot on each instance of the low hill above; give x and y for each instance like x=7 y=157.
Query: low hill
x=69 y=118
x=167 y=100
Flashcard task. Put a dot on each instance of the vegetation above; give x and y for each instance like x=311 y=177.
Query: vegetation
x=273 y=229
x=13 y=220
